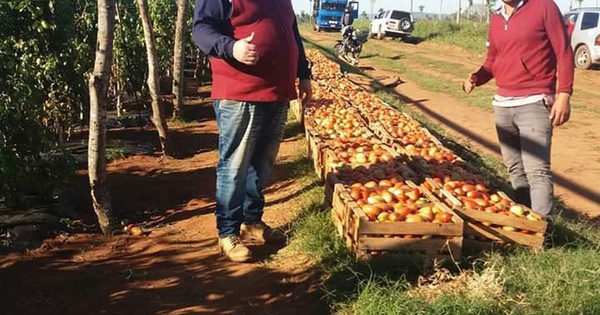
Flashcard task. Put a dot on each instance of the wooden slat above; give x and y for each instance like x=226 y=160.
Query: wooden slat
x=481 y=230
x=417 y=228
x=407 y=245
x=534 y=241
x=498 y=219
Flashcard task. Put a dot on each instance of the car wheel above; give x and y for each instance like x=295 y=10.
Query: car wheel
x=380 y=33
x=583 y=59
x=405 y=25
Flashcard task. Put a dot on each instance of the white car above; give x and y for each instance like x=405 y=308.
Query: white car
x=583 y=25
x=393 y=23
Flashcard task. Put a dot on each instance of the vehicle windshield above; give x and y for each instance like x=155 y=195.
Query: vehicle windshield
x=333 y=6
x=397 y=15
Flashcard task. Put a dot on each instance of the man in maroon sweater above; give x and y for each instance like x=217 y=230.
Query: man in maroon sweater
x=256 y=57
x=528 y=52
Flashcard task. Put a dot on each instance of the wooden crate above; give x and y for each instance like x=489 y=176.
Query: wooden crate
x=366 y=238
x=330 y=173
x=315 y=149
x=487 y=225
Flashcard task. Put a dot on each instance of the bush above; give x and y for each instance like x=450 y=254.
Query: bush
x=46 y=49
x=471 y=36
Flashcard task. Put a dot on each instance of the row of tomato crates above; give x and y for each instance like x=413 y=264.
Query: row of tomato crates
x=496 y=218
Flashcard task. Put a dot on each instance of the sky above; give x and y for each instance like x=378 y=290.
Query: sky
x=431 y=6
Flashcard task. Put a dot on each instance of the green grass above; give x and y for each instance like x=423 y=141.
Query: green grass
x=562 y=280
x=470 y=36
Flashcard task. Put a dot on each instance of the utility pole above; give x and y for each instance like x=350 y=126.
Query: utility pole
x=372 y=8
x=441 y=5
x=411 y=6
x=458 y=12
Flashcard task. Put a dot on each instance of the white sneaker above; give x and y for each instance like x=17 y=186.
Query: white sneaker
x=233 y=248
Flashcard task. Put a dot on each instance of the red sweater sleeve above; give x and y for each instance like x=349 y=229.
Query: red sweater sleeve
x=484 y=74
x=557 y=34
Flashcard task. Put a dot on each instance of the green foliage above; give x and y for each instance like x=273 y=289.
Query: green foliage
x=45 y=50
x=130 y=65
x=362 y=25
x=471 y=36
x=164 y=14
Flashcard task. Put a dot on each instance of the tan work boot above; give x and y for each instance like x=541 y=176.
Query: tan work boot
x=261 y=232
x=233 y=248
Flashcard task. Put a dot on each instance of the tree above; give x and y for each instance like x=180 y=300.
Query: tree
x=158 y=115
x=98 y=86
x=364 y=15
x=421 y=8
x=45 y=49
x=178 y=59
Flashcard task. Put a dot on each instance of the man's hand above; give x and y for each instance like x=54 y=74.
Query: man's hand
x=561 y=110
x=305 y=92
x=470 y=83
x=245 y=52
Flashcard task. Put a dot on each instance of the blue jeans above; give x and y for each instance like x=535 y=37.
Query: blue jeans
x=249 y=138
x=525 y=134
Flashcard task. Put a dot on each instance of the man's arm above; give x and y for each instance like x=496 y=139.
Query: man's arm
x=484 y=74
x=303 y=73
x=557 y=34
x=211 y=30
x=303 y=67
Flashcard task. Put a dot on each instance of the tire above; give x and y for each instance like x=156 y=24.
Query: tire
x=583 y=59
x=406 y=25
x=380 y=33
x=338 y=49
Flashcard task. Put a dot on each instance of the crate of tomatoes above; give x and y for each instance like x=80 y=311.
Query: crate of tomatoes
x=391 y=216
x=354 y=166
x=490 y=215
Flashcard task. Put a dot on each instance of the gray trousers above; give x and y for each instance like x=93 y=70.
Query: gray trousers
x=525 y=135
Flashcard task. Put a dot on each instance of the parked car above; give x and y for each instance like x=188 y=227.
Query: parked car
x=584 y=28
x=393 y=23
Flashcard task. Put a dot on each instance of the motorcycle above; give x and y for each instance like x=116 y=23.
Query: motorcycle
x=350 y=46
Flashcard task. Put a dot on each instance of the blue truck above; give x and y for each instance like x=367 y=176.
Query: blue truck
x=327 y=14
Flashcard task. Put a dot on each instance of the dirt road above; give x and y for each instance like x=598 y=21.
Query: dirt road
x=177 y=268
x=576 y=146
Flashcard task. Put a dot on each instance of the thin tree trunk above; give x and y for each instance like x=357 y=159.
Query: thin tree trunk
x=118 y=86
x=178 y=59
x=98 y=86
x=458 y=12
x=158 y=115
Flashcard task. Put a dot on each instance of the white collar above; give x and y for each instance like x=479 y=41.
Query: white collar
x=502 y=9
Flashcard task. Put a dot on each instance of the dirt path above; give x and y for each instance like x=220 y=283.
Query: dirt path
x=177 y=268
x=576 y=153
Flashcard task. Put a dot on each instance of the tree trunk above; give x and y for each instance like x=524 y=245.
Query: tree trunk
x=98 y=86
x=118 y=86
x=178 y=59
x=458 y=12
x=158 y=114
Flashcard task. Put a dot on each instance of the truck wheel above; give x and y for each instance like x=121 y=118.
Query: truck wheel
x=380 y=33
x=583 y=59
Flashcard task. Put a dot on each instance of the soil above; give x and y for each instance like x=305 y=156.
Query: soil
x=576 y=145
x=177 y=268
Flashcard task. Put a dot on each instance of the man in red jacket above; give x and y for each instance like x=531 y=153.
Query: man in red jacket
x=528 y=52
x=256 y=56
